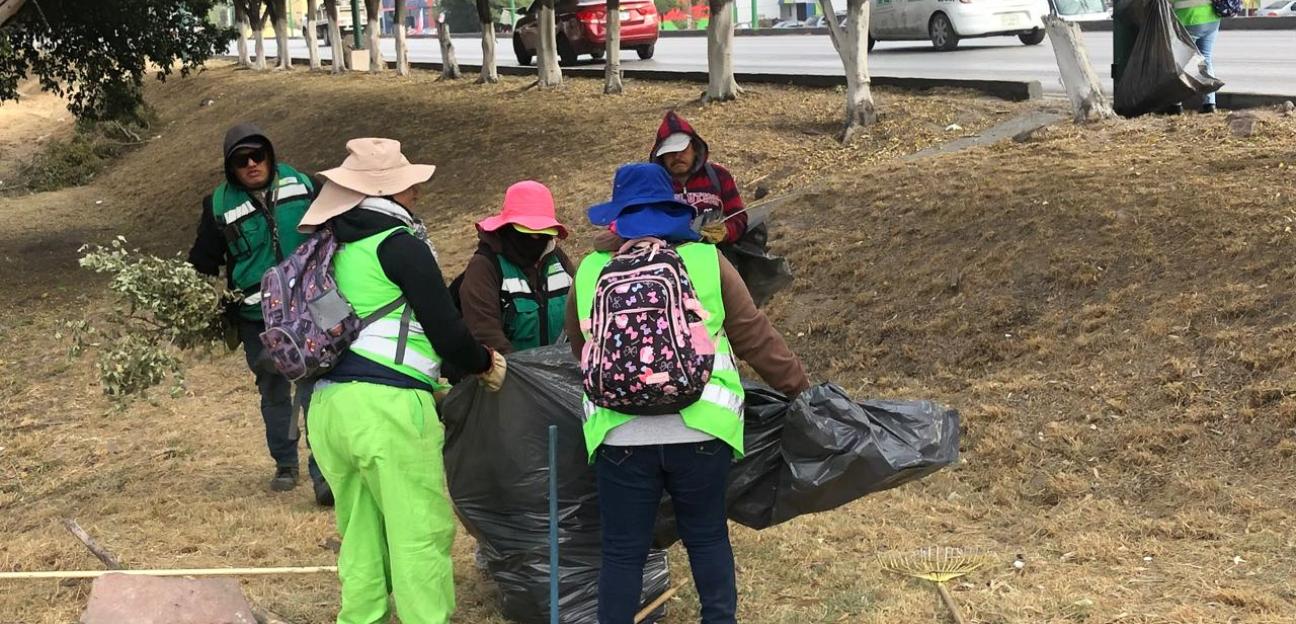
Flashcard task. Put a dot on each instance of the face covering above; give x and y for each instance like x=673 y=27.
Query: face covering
x=524 y=249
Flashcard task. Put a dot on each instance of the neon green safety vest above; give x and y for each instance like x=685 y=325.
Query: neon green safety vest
x=396 y=341
x=1195 y=12
x=256 y=243
x=719 y=412
x=534 y=319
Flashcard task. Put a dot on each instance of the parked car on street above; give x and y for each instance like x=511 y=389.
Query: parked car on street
x=1279 y=9
x=946 y=22
x=788 y=24
x=582 y=29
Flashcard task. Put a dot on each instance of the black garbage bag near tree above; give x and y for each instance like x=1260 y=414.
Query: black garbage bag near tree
x=764 y=273
x=495 y=456
x=1165 y=67
x=808 y=454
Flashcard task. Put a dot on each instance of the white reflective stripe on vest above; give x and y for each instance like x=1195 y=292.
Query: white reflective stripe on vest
x=590 y=408
x=722 y=396
x=515 y=286
x=253 y=298
x=290 y=191
x=723 y=362
x=386 y=348
x=390 y=328
x=559 y=281
x=238 y=212
x=1190 y=4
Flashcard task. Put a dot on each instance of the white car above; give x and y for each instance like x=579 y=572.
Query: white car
x=1279 y=9
x=946 y=22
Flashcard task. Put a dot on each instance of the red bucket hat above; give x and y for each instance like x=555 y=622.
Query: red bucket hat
x=527 y=204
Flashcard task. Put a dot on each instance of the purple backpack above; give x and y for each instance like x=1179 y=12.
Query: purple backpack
x=649 y=352
x=309 y=324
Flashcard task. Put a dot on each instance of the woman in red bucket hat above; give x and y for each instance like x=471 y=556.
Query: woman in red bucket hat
x=514 y=291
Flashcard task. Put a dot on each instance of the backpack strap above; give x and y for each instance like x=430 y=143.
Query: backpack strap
x=714 y=178
x=384 y=311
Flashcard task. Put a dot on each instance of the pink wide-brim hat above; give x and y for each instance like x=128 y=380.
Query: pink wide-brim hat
x=373 y=168
x=528 y=204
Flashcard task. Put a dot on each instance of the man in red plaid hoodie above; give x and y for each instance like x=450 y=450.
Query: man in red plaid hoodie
x=706 y=186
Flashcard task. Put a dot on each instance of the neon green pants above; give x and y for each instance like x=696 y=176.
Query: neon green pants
x=380 y=448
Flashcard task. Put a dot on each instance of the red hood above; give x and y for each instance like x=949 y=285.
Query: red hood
x=671 y=124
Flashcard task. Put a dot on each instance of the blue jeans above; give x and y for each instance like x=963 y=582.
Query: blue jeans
x=1204 y=36
x=630 y=484
x=278 y=409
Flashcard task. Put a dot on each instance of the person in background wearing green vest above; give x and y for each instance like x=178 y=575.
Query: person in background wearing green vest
x=687 y=454
x=373 y=418
x=514 y=291
x=1203 y=24
x=248 y=225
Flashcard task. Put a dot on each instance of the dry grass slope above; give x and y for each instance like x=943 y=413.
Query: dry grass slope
x=1109 y=307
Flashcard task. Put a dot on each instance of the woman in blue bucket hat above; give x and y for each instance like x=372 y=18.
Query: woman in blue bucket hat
x=685 y=454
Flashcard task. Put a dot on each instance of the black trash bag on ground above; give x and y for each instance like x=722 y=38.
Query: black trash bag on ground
x=1164 y=68
x=764 y=273
x=822 y=450
x=496 y=458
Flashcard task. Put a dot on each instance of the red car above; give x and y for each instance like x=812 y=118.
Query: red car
x=582 y=29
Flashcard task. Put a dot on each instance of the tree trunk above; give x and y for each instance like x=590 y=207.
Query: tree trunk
x=612 y=70
x=402 y=48
x=241 y=23
x=312 y=42
x=549 y=73
x=489 y=74
x=449 y=65
x=279 y=18
x=852 y=47
x=258 y=14
x=9 y=9
x=1082 y=85
x=337 y=47
x=376 y=63
x=721 y=85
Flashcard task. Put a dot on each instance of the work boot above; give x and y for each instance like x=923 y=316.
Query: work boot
x=323 y=494
x=1207 y=109
x=285 y=479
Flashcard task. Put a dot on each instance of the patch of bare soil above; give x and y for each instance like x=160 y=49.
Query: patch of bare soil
x=1109 y=308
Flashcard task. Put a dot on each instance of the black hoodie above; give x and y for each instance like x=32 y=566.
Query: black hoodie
x=210 y=248
x=408 y=262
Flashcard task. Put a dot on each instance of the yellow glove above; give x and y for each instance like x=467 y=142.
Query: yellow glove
x=493 y=378
x=440 y=395
x=715 y=232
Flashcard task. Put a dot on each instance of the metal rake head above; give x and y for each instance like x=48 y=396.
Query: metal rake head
x=935 y=564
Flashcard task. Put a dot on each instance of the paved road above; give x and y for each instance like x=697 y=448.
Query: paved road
x=1248 y=61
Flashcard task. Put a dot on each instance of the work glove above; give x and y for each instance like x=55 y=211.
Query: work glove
x=493 y=378
x=715 y=233
x=444 y=390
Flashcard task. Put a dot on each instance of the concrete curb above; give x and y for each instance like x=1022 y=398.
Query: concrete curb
x=1012 y=90
x=1003 y=89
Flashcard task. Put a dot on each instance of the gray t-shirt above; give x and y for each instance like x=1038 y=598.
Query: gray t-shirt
x=650 y=430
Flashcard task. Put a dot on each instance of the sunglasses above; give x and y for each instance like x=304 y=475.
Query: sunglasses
x=256 y=156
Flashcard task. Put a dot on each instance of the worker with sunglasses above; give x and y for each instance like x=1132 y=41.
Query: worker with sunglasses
x=248 y=225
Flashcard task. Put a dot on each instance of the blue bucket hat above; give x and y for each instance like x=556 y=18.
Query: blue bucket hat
x=643 y=205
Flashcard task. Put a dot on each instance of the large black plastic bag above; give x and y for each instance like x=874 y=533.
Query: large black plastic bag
x=823 y=450
x=765 y=274
x=1164 y=68
x=496 y=455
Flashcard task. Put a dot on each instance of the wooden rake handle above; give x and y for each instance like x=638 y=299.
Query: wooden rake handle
x=948 y=599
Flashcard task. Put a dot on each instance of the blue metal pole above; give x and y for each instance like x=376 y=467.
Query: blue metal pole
x=553 y=524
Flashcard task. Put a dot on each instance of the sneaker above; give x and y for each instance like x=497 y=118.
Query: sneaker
x=285 y=479
x=323 y=494
x=1207 y=109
